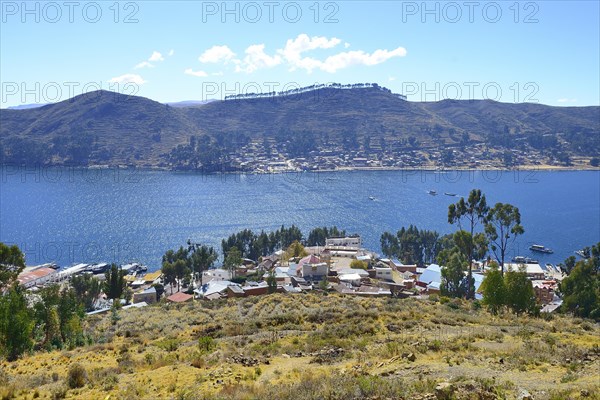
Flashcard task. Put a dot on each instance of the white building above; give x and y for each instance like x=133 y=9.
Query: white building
x=37 y=277
x=311 y=267
x=534 y=271
x=216 y=275
x=383 y=273
x=349 y=242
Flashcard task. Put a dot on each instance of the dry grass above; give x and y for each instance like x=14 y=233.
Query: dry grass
x=383 y=348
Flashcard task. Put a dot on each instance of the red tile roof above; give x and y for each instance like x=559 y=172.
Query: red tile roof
x=311 y=259
x=179 y=297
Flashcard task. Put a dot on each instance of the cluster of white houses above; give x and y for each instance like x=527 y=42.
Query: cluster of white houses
x=325 y=267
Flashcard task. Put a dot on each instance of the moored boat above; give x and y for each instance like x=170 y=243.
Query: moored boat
x=540 y=249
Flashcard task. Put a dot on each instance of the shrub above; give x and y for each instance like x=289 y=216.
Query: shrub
x=58 y=392
x=77 y=376
x=206 y=344
x=170 y=344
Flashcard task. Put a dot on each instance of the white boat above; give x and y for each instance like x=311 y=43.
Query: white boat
x=541 y=249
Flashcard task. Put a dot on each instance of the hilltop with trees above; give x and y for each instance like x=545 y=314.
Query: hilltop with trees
x=105 y=128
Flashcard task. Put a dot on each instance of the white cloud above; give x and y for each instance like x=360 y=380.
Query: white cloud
x=217 y=54
x=200 y=74
x=256 y=58
x=156 y=56
x=128 y=78
x=392 y=78
x=143 y=64
x=292 y=54
x=171 y=52
x=565 y=100
x=302 y=43
x=347 y=59
x=220 y=73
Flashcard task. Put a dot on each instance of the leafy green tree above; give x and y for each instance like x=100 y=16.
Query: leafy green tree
x=570 y=264
x=202 y=257
x=233 y=260
x=169 y=274
x=581 y=290
x=171 y=256
x=520 y=293
x=271 y=281
x=595 y=256
x=12 y=263
x=128 y=295
x=59 y=314
x=453 y=278
x=181 y=271
x=114 y=285
x=16 y=324
x=47 y=317
x=471 y=212
x=87 y=289
x=390 y=246
x=295 y=250
x=411 y=249
x=317 y=236
x=494 y=289
x=502 y=226
x=430 y=241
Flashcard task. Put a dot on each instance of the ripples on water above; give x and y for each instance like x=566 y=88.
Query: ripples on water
x=117 y=215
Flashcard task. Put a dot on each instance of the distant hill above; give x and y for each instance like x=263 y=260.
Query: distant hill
x=25 y=106
x=106 y=128
x=190 y=103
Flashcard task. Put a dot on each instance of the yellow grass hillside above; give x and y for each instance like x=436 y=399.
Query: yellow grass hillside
x=316 y=346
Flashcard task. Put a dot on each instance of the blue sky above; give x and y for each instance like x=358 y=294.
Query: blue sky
x=545 y=51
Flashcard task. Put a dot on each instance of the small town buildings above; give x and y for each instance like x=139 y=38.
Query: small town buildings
x=214 y=286
x=235 y=291
x=216 y=275
x=37 y=277
x=544 y=291
x=431 y=274
x=353 y=279
x=180 y=297
x=148 y=296
x=255 y=288
x=534 y=271
x=311 y=267
x=152 y=277
x=282 y=275
x=69 y=272
x=361 y=272
x=383 y=273
x=350 y=242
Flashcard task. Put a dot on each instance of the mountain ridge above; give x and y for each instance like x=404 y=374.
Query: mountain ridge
x=108 y=128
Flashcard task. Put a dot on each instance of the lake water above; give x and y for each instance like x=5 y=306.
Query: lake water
x=118 y=215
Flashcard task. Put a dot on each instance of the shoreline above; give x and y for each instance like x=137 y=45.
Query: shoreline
x=542 y=168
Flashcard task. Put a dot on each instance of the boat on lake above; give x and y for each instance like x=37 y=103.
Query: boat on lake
x=432 y=192
x=540 y=249
x=98 y=268
x=581 y=253
x=449 y=194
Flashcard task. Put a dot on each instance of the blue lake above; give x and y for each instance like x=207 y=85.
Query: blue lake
x=118 y=215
